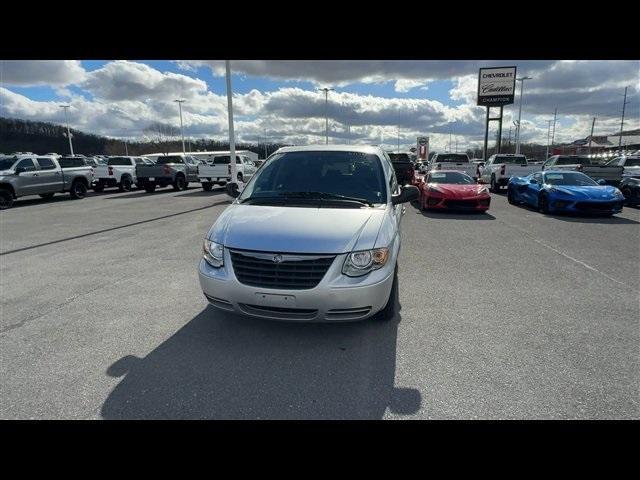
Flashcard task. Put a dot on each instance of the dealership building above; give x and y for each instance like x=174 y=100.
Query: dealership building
x=603 y=146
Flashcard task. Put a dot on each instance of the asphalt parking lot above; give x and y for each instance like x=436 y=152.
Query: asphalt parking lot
x=510 y=314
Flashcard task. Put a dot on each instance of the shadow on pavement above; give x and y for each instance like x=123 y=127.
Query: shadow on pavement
x=581 y=218
x=222 y=366
x=202 y=193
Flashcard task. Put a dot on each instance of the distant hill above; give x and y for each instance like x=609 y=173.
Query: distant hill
x=42 y=137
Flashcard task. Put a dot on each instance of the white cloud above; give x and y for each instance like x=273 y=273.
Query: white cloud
x=27 y=73
x=404 y=85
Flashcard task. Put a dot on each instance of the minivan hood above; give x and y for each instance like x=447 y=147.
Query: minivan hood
x=296 y=229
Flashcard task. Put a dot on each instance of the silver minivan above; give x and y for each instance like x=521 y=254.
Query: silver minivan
x=313 y=236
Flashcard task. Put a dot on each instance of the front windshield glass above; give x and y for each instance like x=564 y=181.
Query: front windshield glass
x=449 y=177
x=569 y=178
x=349 y=174
x=6 y=163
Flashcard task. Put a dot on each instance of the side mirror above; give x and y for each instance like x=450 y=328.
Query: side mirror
x=20 y=170
x=601 y=181
x=232 y=190
x=408 y=193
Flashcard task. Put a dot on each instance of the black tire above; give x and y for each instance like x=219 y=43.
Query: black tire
x=6 y=199
x=186 y=186
x=179 y=183
x=78 y=190
x=495 y=188
x=125 y=184
x=543 y=203
x=207 y=186
x=627 y=196
x=222 y=184
x=47 y=196
x=150 y=187
x=510 y=198
x=98 y=187
x=391 y=308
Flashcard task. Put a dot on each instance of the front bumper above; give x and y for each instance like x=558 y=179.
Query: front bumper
x=480 y=204
x=337 y=298
x=588 y=207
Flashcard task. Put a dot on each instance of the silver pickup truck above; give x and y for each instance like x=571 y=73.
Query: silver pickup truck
x=43 y=175
x=174 y=170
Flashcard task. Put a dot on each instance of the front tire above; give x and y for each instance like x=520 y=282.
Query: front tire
x=6 y=199
x=391 y=308
x=495 y=188
x=78 y=190
x=510 y=198
x=207 y=186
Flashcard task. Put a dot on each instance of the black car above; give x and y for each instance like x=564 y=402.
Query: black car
x=630 y=188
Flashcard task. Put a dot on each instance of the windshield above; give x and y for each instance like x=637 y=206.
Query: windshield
x=169 y=159
x=6 y=163
x=453 y=157
x=569 y=178
x=629 y=162
x=349 y=174
x=119 y=161
x=449 y=177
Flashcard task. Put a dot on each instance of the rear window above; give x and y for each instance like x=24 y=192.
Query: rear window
x=573 y=161
x=169 y=159
x=399 y=157
x=452 y=157
x=515 y=159
x=224 y=160
x=46 y=164
x=70 y=162
x=119 y=161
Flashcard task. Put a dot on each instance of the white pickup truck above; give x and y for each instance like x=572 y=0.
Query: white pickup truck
x=500 y=167
x=630 y=163
x=452 y=161
x=218 y=171
x=118 y=172
x=611 y=174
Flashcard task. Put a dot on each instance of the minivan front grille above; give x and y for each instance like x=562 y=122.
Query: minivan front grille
x=280 y=271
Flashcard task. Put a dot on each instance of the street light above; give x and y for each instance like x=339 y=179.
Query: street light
x=521 y=80
x=326 y=91
x=180 y=102
x=66 y=119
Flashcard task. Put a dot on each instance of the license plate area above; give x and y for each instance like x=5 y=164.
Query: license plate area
x=271 y=300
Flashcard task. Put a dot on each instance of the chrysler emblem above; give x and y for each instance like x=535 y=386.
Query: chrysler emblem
x=277 y=258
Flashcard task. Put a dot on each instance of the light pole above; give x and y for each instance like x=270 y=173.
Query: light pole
x=232 y=138
x=126 y=148
x=265 y=143
x=66 y=120
x=326 y=91
x=521 y=80
x=180 y=102
x=548 y=135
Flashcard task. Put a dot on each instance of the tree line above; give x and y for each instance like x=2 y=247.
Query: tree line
x=18 y=135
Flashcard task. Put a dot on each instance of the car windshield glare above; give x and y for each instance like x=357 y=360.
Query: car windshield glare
x=450 y=177
x=348 y=174
x=169 y=159
x=569 y=178
x=457 y=158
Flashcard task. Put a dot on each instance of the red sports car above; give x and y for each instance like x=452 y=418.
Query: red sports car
x=452 y=190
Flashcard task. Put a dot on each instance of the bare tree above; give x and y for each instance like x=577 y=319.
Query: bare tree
x=160 y=135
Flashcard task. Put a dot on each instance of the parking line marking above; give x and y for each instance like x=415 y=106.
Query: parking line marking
x=22 y=249
x=580 y=262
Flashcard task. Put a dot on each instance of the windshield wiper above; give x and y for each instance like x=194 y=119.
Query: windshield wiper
x=325 y=195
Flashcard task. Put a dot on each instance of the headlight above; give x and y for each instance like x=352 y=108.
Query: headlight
x=363 y=262
x=213 y=253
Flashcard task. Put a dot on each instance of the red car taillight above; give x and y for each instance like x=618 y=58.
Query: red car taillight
x=110 y=170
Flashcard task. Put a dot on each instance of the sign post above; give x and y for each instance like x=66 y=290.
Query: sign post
x=496 y=88
x=423 y=148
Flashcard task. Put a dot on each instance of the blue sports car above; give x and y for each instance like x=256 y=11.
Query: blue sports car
x=564 y=191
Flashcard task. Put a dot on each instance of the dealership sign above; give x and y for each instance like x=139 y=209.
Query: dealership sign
x=496 y=86
x=423 y=148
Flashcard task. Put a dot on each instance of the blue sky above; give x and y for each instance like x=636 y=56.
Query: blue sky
x=371 y=98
